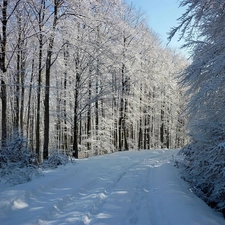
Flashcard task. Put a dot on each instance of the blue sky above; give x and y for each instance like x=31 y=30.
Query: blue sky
x=162 y=15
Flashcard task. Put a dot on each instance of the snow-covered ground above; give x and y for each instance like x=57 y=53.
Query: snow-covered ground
x=124 y=188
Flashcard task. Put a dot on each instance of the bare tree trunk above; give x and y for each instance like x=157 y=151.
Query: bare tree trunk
x=75 y=127
x=145 y=131
x=3 y=41
x=58 y=113
x=47 y=82
x=66 y=55
x=162 y=129
x=75 y=122
x=41 y=15
x=22 y=91
x=121 y=110
x=39 y=100
x=4 y=116
x=89 y=114
x=17 y=93
x=29 y=102
x=96 y=107
x=46 y=101
x=125 y=130
x=140 y=135
x=75 y=132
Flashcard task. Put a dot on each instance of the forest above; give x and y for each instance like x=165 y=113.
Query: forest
x=89 y=77
x=86 y=78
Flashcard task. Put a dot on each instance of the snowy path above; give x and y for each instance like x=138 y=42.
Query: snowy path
x=126 y=188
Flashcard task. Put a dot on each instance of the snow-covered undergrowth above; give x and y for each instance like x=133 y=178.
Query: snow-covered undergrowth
x=19 y=165
x=54 y=160
x=205 y=171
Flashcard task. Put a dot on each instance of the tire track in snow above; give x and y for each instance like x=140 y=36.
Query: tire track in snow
x=157 y=210
x=91 y=214
x=134 y=184
x=142 y=209
x=139 y=204
x=102 y=186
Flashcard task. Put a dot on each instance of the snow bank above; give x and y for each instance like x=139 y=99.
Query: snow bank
x=205 y=171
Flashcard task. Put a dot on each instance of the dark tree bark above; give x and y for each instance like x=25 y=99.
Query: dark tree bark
x=47 y=80
x=75 y=126
x=121 y=110
x=162 y=129
x=3 y=42
x=89 y=114
x=66 y=56
x=22 y=79
x=96 y=104
x=29 y=117
x=41 y=16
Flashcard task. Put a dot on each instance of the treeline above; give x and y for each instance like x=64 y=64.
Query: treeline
x=86 y=77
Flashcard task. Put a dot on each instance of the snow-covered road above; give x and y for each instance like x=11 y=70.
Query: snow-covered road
x=124 y=188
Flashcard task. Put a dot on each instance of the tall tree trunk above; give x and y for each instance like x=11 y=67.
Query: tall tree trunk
x=66 y=55
x=20 y=76
x=39 y=100
x=29 y=102
x=46 y=101
x=89 y=115
x=41 y=16
x=125 y=130
x=140 y=135
x=22 y=91
x=123 y=103
x=162 y=129
x=3 y=41
x=75 y=126
x=17 y=94
x=75 y=131
x=32 y=124
x=121 y=110
x=47 y=82
x=4 y=110
x=58 y=113
x=145 y=130
x=17 y=78
x=96 y=107
x=75 y=122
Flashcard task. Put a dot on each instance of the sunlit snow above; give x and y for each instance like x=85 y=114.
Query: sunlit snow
x=124 y=188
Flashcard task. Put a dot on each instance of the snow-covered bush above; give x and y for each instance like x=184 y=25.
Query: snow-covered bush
x=205 y=171
x=204 y=82
x=17 y=163
x=54 y=160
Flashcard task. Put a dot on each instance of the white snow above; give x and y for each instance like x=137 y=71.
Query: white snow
x=123 y=188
